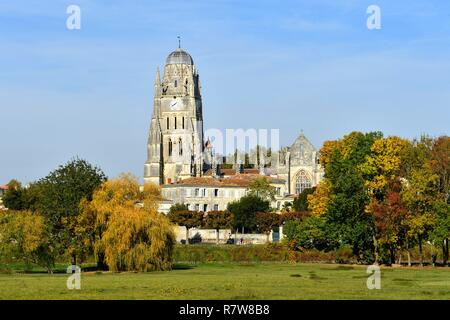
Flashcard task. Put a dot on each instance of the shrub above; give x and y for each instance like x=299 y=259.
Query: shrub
x=344 y=254
x=273 y=252
x=307 y=233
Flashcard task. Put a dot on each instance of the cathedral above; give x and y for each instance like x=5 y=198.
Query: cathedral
x=179 y=159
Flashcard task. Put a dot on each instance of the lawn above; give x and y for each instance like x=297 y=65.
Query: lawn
x=235 y=281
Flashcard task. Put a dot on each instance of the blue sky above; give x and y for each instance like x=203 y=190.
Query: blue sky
x=292 y=65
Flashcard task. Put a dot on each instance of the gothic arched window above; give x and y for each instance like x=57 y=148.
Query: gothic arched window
x=180 y=144
x=175 y=122
x=167 y=124
x=303 y=182
x=176 y=83
x=170 y=147
x=183 y=122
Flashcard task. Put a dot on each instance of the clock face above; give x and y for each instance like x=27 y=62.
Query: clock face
x=175 y=104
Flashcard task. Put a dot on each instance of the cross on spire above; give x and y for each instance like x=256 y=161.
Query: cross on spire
x=179 y=41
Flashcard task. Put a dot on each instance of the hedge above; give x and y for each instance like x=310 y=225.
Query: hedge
x=257 y=253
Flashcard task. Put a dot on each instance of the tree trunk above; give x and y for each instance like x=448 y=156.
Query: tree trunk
x=375 y=245
x=101 y=264
x=50 y=268
x=217 y=234
x=408 y=253
x=74 y=259
x=392 y=251
x=445 y=252
x=267 y=236
x=420 y=251
x=187 y=235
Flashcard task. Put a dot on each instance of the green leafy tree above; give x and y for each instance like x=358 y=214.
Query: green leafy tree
x=14 y=196
x=266 y=222
x=187 y=219
x=58 y=198
x=262 y=188
x=218 y=220
x=441 y=231
x=440 y=165
x=346 y=217
x=301 y=202
x=244 y=212
x=178 y=207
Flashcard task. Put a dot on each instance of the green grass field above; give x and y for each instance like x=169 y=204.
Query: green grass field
x=235 y=281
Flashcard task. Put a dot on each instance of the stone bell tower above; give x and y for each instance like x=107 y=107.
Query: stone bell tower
x=175 y=142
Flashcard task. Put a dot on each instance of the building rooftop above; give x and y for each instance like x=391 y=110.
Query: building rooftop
x=237 y=180
x=232 y=172
x=179 y=56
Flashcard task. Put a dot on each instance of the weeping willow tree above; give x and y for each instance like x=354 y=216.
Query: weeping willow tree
x=122 y=225
x=139 y=240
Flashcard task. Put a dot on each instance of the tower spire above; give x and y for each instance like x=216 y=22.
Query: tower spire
x=157 y=77
x=157 y=83
x=179 y=42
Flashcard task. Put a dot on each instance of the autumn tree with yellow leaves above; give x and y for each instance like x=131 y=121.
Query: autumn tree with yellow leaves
x=381 y=172
x=383 y=165
x=122 y=226
x=24 y=238
x=419 y=194
x=318 y=201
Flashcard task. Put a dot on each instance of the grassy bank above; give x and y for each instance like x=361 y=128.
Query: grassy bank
x=235 y=281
